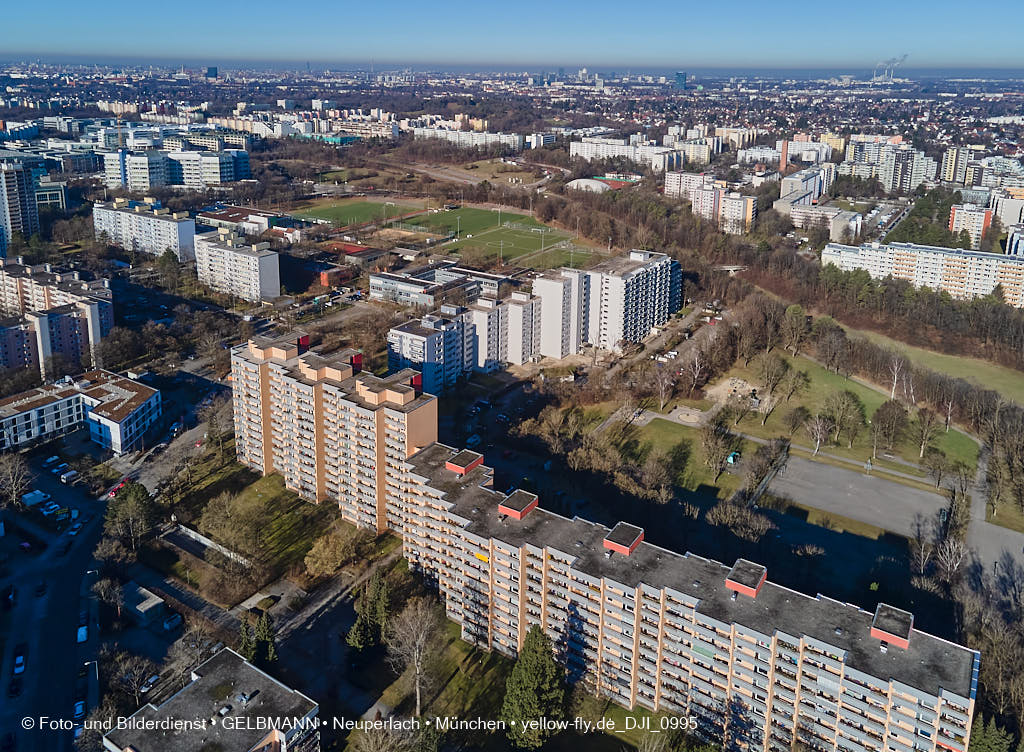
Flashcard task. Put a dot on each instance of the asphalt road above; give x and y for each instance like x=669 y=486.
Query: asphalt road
x=854 y=494
x=48 y=624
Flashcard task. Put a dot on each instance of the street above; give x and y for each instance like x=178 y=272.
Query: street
x=48 y=625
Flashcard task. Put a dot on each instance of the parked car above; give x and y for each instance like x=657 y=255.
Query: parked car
x=19 y=659
x=14 y=688
x=61 y=468
x=149 y=684
x=74 y=529
x=51 y=460
x=79 y=709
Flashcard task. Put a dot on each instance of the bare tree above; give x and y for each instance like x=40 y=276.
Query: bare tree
x=131 y=672
x=717 y=443
x=14 y=479
x=847 y=413
x=772 y=370
x=110 y=592
x=410 y=640
x=896 y=365
x=694 y=369
x=921 y=544
x=924 y=429
x=663 y=380
x=382 y=740
x=950 y=555
x=819 y=428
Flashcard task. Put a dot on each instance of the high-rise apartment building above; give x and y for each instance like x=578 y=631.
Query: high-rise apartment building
x=138 y=172
x=18 y=211
x=441 y=346
x=680 y=184
x=757 y=665
x=660 y=158
x=334 y=434
x=1015 y=240
x=564 y=296
x=736 y=213
x=629 y=296
x=963 y=274
x=954 y=163
x=902 y=168
x=975 y=220
x=505 y=331
x=224 y=263
x=145 y=227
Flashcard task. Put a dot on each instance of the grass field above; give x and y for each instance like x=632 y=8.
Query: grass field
x=664 y=434
x=351 y=211
x=1006 y=381
x=482 y=238
x=955 y=444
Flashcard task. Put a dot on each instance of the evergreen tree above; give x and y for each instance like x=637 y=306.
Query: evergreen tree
x=380 y=603
x=263 y=639
x=535 y=689
x=360 y=636
x=998 y=739
x=246 y=647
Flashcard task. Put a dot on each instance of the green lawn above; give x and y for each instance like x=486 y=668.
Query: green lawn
x=1006 y=381
x=955 y=444
x=556 y=259
x=348 y=212
x=468 y=221
x=665 y=434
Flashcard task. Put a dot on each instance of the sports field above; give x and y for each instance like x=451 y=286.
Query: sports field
x=348 y=212
x=518 y=236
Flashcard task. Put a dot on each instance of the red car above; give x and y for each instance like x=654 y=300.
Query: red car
x=118 y=487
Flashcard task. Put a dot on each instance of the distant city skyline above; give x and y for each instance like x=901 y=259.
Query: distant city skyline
x=531 y=34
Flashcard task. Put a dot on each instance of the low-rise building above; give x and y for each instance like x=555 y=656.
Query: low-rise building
x=116 y=410
x=253 y=711
x=430 y=285
x=145 y=227
x=472 y=139
x=227 y=265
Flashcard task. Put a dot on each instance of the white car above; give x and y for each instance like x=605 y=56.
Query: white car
x=83 y=633
x=149 y=684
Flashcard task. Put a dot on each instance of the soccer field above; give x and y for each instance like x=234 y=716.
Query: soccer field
x=344 y=213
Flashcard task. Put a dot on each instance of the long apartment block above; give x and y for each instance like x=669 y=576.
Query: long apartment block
x=332 y=432
x=962 y=274
x=757 y=664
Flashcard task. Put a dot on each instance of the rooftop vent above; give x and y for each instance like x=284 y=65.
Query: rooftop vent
x=624 y=538
x=892 y=626
x=746 y=577
x=518 y=504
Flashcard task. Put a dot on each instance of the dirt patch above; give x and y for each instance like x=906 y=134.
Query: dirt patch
x=724 y=389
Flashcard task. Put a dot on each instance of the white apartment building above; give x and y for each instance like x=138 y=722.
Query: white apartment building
x=736 y=213
x=902 y=168
x=705 y=201
x=974 y=219
x=1008 y=205
x=1015 y=240
x=962 y=274
x=660 y=158
x=505 y=331
x=471 y=139
x=200 y=169
x=564 y=296
x=629 y=296
x=441 y=346
x=116 y=410
x=145 y=227
x=18 y=210
x=136 y=172
x=249 y=272
x=680 y=184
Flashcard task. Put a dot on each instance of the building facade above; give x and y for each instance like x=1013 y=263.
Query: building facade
x=962 y=274
x=564 y=296
x=441 y=346
x=249 y=272
x=758 y=666
x=333 y=433
x=18 y=210
x=116 y=410
x=145 y=227
x=473 y=139
x=975 y=220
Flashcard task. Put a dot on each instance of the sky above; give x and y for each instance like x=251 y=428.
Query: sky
x=533 y=34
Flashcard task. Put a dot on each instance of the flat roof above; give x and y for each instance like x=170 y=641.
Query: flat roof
x=224 y=681
x=519 y=500
x=113 y=397
x=747 y=573
x=928 y=664
x=624 y=534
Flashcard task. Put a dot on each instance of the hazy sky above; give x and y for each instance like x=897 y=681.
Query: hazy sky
x=596 y=33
